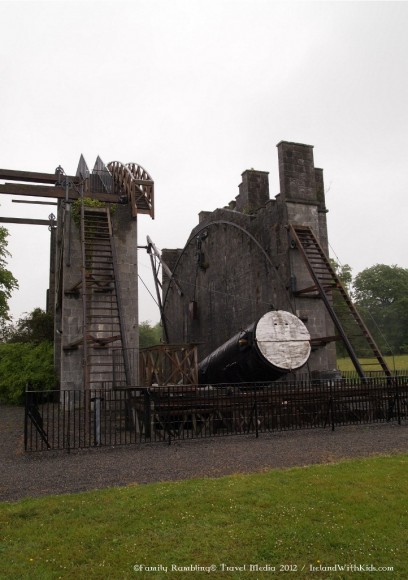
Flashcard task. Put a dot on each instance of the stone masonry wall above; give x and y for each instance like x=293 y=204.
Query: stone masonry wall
x=238 y=263
x=68 y=308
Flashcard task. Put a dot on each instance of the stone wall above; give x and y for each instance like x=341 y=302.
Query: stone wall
x=239 y=263
x=68 y=306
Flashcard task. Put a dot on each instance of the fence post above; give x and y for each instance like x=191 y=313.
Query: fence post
x=96 y=399
x=256 y=414
x=68 y=420
x=147 y=414
x=331 y=405
x=396 y=382
x=26 y=417
x=168 y=411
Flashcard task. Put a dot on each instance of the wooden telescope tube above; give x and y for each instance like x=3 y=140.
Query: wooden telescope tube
x=276 y=344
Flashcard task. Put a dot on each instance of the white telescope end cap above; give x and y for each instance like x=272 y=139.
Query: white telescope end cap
x=283 y=340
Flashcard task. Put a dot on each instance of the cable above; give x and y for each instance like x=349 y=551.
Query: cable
x=337 y=258
x=155 y=301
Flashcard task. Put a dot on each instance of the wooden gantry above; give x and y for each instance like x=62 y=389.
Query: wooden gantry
x=115 y=183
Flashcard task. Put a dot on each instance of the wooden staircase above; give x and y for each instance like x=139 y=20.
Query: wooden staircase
x=102 y=322
x=325 y=280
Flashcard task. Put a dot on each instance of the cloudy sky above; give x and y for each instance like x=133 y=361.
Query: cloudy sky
x=197 y=91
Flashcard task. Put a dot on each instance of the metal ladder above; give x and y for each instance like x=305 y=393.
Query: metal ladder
x=325 y=280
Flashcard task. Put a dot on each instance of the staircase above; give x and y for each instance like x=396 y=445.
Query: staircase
x=102 y=323
x=325 y=280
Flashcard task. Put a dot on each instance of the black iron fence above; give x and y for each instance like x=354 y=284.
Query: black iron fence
x=109 y=417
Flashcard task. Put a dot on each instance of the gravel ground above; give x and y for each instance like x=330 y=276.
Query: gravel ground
x=56 y=472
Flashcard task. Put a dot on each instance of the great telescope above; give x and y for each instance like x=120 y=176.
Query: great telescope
x=276 y=344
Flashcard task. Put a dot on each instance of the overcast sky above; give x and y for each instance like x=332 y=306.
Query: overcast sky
x=198 y=91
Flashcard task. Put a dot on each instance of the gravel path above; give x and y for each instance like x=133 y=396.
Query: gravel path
x=56 y=472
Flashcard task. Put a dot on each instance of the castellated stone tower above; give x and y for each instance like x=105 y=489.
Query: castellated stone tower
x=241 y=261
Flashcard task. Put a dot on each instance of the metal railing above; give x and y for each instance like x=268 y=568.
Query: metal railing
x=74 y=419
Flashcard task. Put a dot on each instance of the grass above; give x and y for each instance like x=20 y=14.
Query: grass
x=399 y=362
x=352 y=512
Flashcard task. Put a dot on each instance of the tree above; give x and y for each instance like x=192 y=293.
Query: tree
x=25 y=363
x=26 y=356
x=35 y=327
x=149 y=335
x=381 y=295
x=6 y=329
x=7 y=281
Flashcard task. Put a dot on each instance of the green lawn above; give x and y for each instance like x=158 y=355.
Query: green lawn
x=399 y=362
x=348 y=513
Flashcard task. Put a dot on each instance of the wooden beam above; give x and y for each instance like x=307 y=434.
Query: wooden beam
x=58 y=192
x=34 y=177
x=143 y=181
x=51 y=178
x=34 y=202
x=323 y=340
x=32 y=222
x=36 y=190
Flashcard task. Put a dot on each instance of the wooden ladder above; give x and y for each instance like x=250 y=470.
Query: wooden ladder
x=102 y=326
x=103 y=330
x=325 y=280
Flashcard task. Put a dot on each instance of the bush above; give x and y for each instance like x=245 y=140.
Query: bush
x=25 y=363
